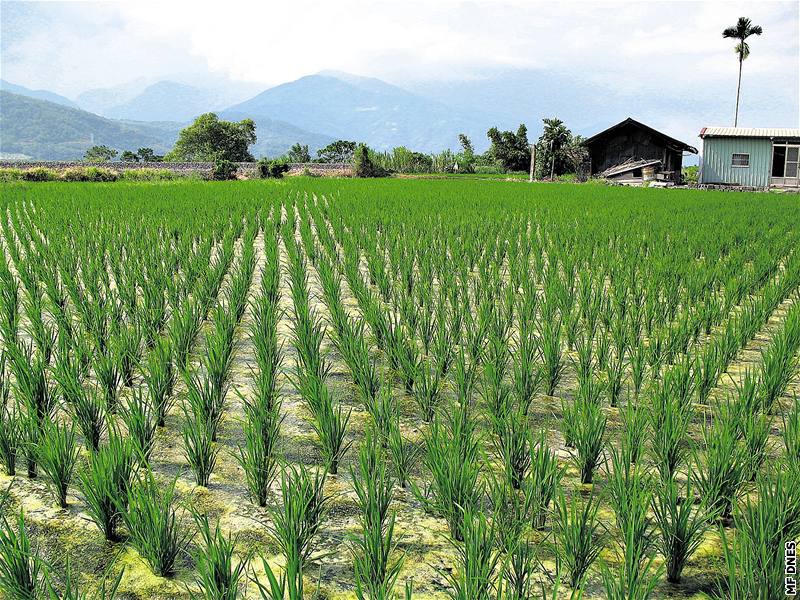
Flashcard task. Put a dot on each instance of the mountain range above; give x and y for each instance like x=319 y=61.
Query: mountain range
x=313 y=110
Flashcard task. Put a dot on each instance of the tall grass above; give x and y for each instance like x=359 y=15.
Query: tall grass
x=58 y=455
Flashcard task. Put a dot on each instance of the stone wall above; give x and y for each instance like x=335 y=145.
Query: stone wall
x=245 y=168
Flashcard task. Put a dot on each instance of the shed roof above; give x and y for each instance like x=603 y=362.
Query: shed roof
x=750 y=132
x=628 y=165
x=670 y=141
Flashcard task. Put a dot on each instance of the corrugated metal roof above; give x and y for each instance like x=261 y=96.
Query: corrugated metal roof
x=759 y=132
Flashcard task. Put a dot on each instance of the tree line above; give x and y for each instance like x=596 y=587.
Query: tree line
x=210 y=139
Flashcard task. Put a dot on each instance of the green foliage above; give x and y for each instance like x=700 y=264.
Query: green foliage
x=272 y=169
x=558 y=152
x=209 y=139
x=217 y=578
x=58 y=456
x=223 y=169
x=21 y=569
x=99 y=154
x=39 y=174
x=364 y=165
x=340 y=151
x=509 y=149
x=298 y=153
x=97 y=174
x=577 y=536
x=690 y=174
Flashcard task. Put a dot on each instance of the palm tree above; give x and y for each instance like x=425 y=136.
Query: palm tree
x=743 y=30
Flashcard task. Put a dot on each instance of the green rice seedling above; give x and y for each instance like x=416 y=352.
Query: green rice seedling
x=630 y=495
x=452 y=454
x=754 y=429
x=105 y=482
x=141 y=423
x=426 y=391
x=791 y=433
x=638 y=367
x=159 y=375
x=10 y=436
x=258 y=456
x=21 y=569
x=183 y=331
x=86 y=407
x=477 y=560
x=204 y=401
x=153 y=524
x=71 y=590
x=680 y=524
x=58 y=456
x=383 y=410
x=590 y=429
x=754 y=558
x=544 y=477
x=723 y=468
x=635 y=579
x=218 y=576
x=108 y=376
x=779 y=362
x=634 y=431
x=669 y=426
x=577 y=536
x=404 y=455
x=552 y=354
x=513 y=443
x=517 y=572
x=376 y=569
x=569 y=421
x=127 y=349
x=199 y=449
x=296 y=524
x=590 y=390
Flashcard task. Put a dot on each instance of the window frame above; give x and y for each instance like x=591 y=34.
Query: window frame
x=733 y=162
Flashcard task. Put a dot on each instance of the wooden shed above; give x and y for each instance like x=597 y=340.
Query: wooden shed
x=632 y=152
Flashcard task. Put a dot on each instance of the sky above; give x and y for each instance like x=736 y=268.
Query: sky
x=655 y=52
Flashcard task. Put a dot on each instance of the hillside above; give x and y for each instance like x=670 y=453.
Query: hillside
x=363 y=109
x=166 y=101
x=45 y=130
x=13 y=88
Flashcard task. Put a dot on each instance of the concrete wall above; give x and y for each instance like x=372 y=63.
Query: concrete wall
x=715 y=166
x=248 y=169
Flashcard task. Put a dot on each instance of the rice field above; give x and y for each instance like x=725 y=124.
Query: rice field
x=341 y=389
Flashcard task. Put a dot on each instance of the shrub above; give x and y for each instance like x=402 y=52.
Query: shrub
x=39 y=174
x=149 y=175
x=271 y=169
x=95 y=174
x=11 y=174
x=223 y=170
x=364 y=165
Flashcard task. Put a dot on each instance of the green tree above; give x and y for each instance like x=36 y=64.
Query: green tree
x=99 y=154
x=129 y=156
x=365 y=165
x=741 y=31
x=298 y=154
x=466 y=158
x=147 y=155
x=558 y=151
x=511 y=150
x=210 y=139
x=340 y=151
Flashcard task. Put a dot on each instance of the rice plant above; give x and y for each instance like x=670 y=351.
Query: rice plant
x=153 y=523
x=791 y=433
x=589 y=437
x=681 y=525
x=669 y=426
x=374 y=548
x=21 y=568
x=159 y=375
x=542 y=481
x=86 y=407
x=104 y=483
x=10 y=436
x=296 y=524
x=578 y=541
x=140 y=422
x=754 y=558
x=452 y=455
x=477 y=560
x=258 y=456
x=199 y=448
x=219 y=577
x=58 y=455
x=403 y=454
x=634 y=431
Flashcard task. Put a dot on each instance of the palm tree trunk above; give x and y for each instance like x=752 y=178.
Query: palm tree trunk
x=738 y=90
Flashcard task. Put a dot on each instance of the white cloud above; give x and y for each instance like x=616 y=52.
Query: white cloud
x=651 y=49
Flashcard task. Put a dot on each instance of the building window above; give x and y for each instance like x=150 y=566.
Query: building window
x=740 y=160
